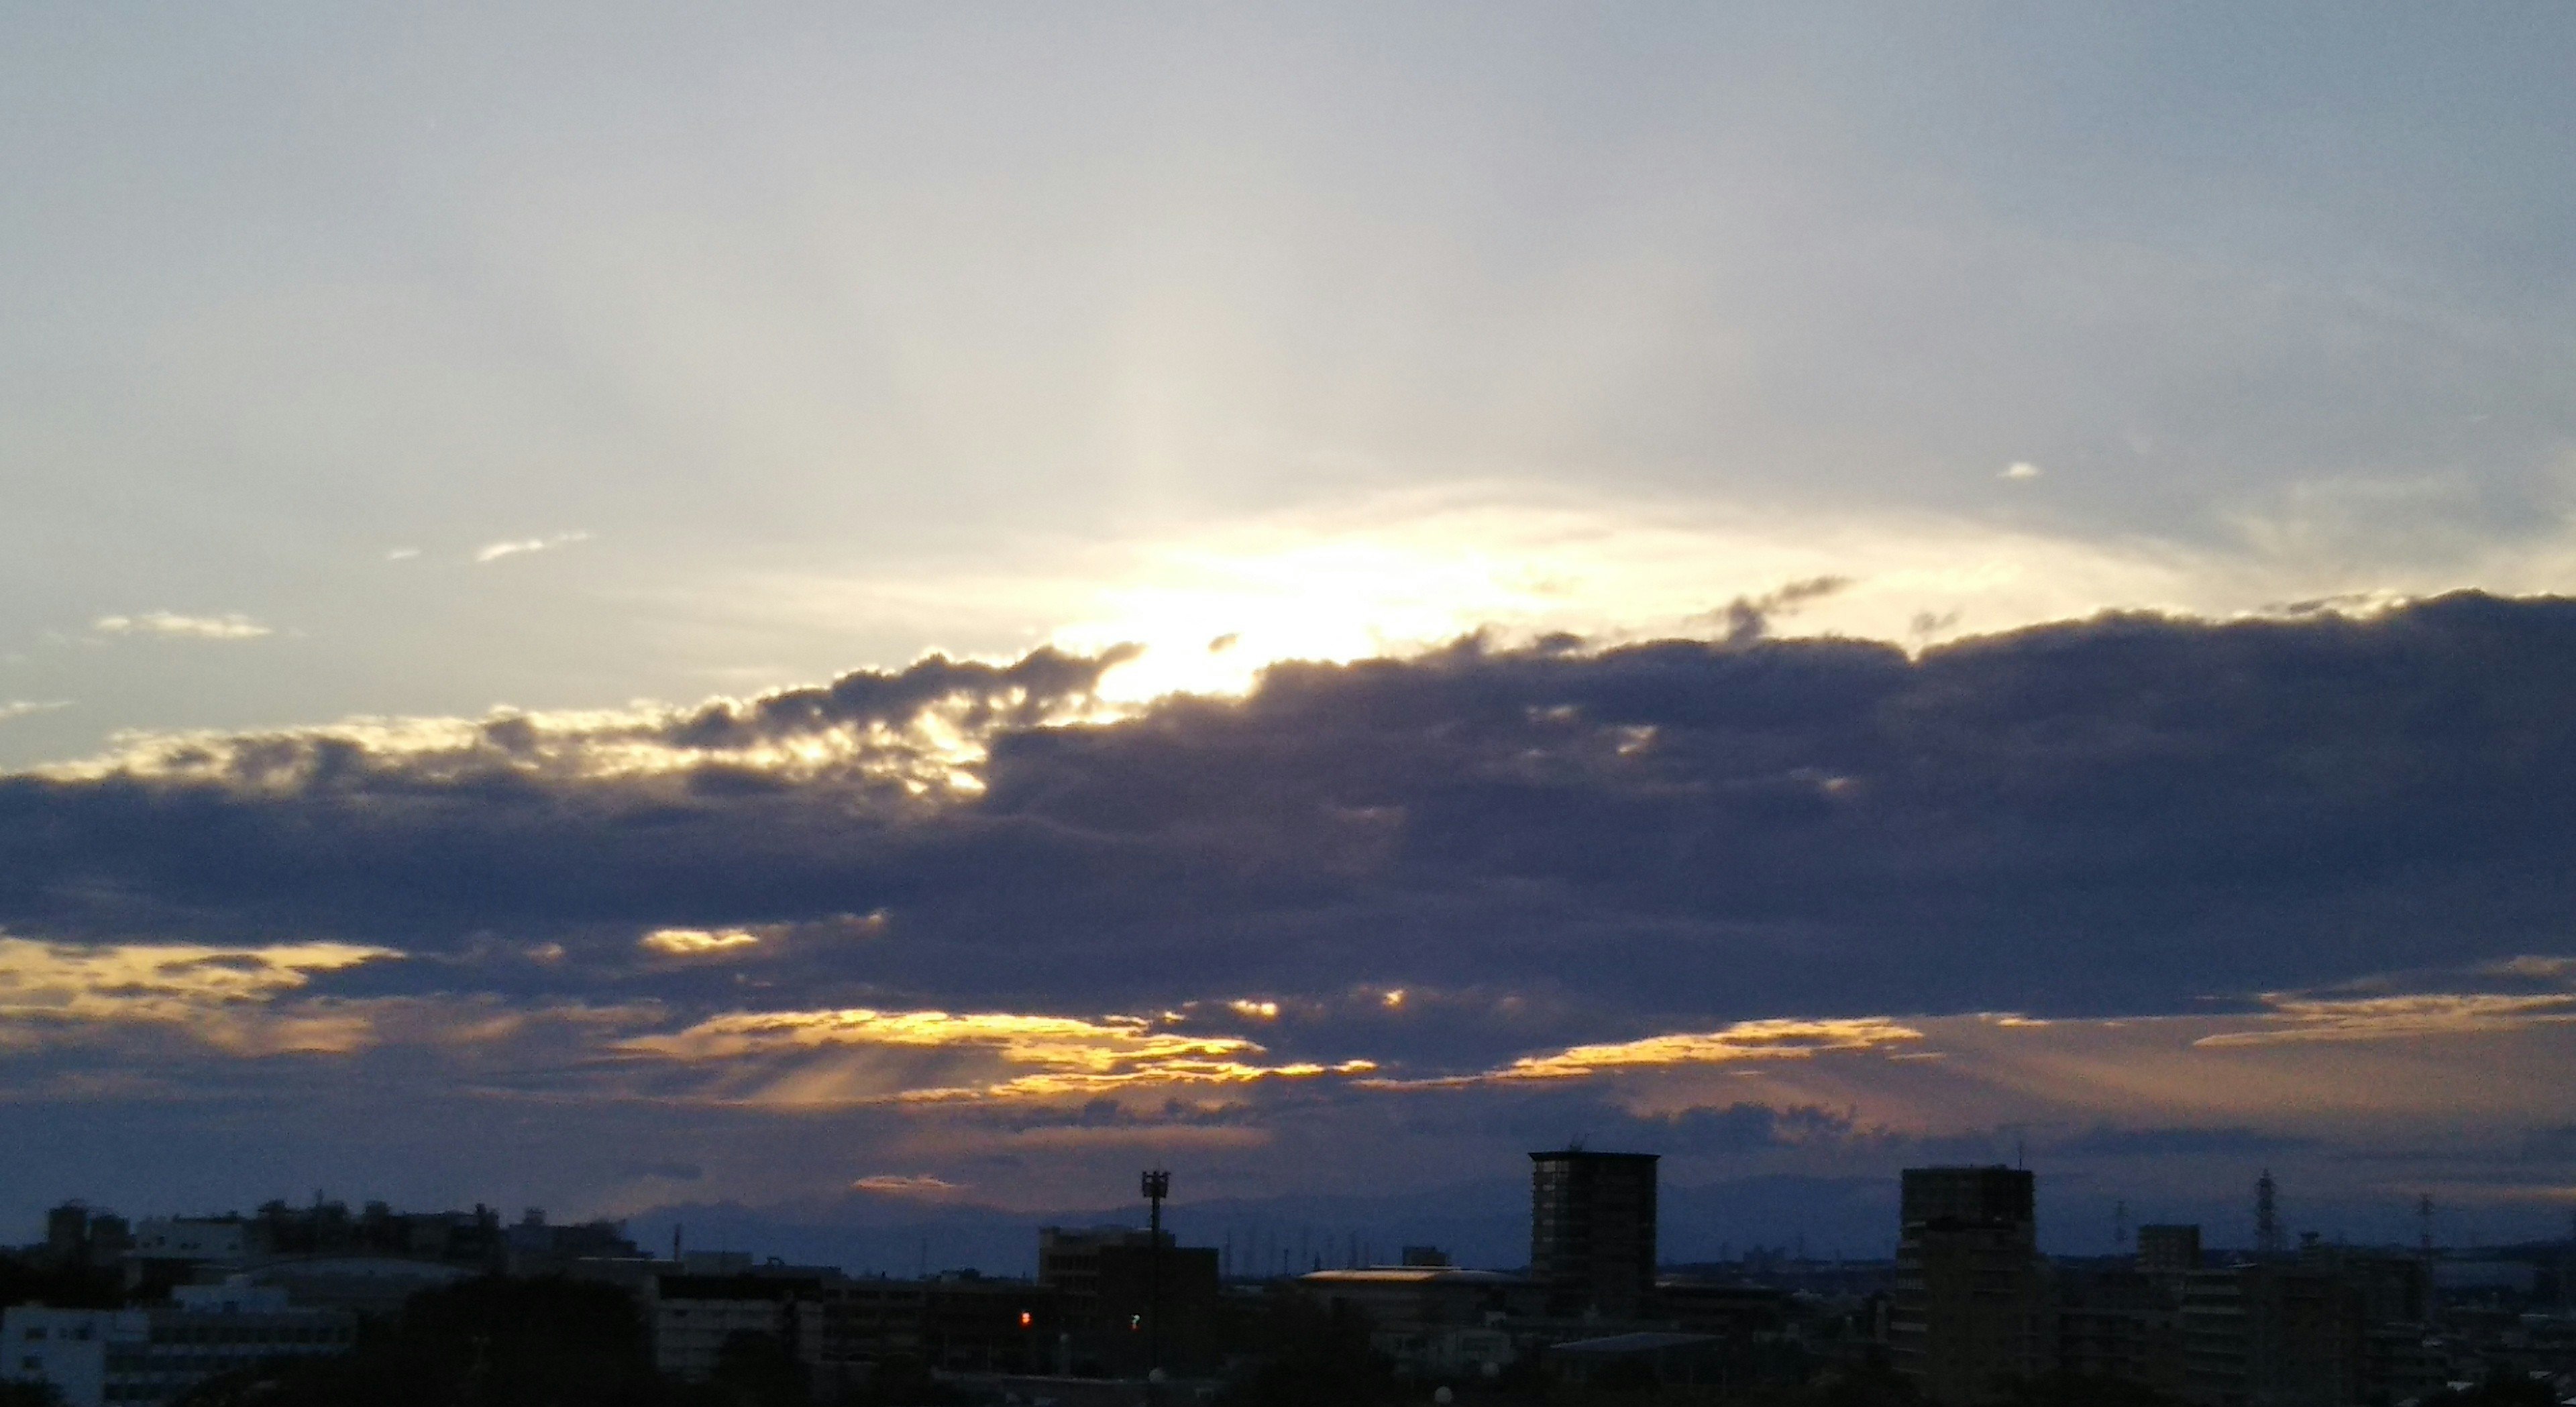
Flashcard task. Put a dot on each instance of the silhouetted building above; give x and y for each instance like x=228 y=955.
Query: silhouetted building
x=1111 y=1282
x=1592 y=1232
x=1970 y=1310
x=538 y=1247
x=2124 y=1325
x=849 y=1328
x=2336 y=1328
x=974 y=1325
x=2168 y=1250
x=77 y=1236
x=1432 y=1321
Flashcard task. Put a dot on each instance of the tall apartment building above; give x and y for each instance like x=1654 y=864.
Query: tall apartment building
x=1592 y=1232
x=2334 y=1328
x=2124 y=1325
x=1970 y=1311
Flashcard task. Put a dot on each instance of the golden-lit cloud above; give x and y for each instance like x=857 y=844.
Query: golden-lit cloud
x=1762 y=1040
x=813 y=1058
x=921 y=1185
x=2317 y=1074
x=157 y=981
x=222 y=996
x=1776 y=1039
x=697 y=942
x=2395 y=1017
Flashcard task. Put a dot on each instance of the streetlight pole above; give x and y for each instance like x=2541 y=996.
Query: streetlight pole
x=1158 y=1185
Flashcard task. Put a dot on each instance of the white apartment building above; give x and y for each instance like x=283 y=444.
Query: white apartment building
x=144 y=1357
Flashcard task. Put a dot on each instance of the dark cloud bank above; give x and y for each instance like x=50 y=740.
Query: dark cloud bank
x=2124 y=814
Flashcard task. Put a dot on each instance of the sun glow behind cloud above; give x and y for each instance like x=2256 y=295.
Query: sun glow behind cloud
x=1213 y=603
x=822 y=1058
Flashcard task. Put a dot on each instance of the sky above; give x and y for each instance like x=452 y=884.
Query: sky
x=870 y=617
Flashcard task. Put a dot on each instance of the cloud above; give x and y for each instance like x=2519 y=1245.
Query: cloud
x=230 y=626
x=221 y=996
x=20 y=708
x=2389 y=1018
x=920 y=1185
x=1775 y=1039
x=401 y=554
x=1771 y=1039
x=696 y=942
x=2020 y=469
x=157 y=981
x=796 y=1058
x=2112 y=816
x=894 y=734
x=495 y=551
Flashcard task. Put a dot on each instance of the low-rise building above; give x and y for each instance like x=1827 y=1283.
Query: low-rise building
x=1433 y=1321
x=849 y=1328
x=1127 y=1299
x=693 y=1315
x=144 y=1357
x=215 y=1241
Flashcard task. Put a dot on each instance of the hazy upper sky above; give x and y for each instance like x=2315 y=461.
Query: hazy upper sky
x=812 y=337
x=420 y=363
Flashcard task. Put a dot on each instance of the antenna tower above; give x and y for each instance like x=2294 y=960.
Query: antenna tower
x=1157 y=1186
x=2267 y=1218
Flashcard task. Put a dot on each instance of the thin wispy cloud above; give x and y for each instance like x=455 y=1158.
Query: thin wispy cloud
x=493 y=552
x=2412 y=1016
x=2020 y=469
x=20 y=708
x=402 y=554
x=229 y=626
x=904 y=1185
